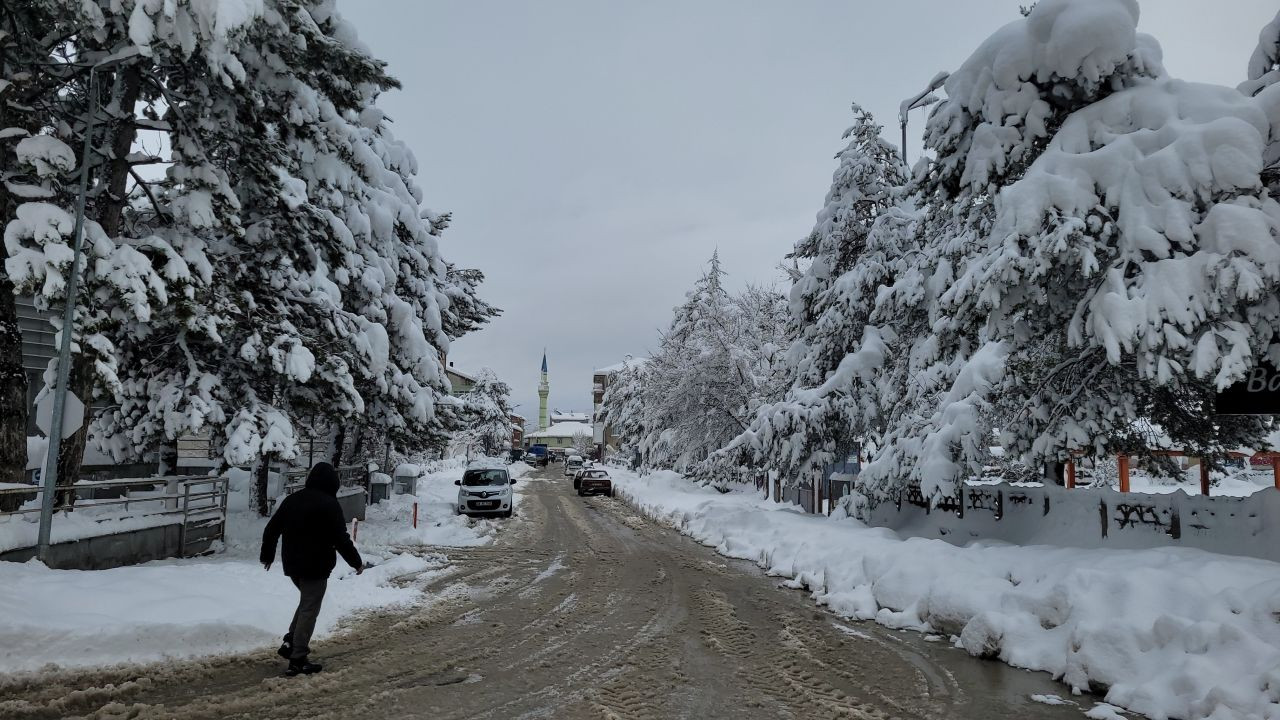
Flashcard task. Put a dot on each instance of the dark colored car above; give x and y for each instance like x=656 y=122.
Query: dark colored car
x=593 y=481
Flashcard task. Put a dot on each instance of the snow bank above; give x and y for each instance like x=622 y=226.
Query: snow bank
x=1165 y=632
x=22 y=531
x=223 y=603
x=169 y=609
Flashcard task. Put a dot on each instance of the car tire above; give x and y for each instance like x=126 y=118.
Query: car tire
x=506 y=514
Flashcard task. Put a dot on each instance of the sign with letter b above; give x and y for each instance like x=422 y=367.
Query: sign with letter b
x=1257 y=394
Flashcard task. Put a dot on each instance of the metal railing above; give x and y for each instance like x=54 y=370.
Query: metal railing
x=199 y=502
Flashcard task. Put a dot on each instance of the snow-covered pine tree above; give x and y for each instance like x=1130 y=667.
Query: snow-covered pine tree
x=1071 y=191
x=1262 y=77
x=24 y=47
x=332 y=291
x=125 y=274
x=488 y=412
x=623 y=408
x=839 y=348
x=466 y=311
x=716 y=361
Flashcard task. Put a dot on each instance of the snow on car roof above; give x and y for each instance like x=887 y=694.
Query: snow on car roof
x=487 y=464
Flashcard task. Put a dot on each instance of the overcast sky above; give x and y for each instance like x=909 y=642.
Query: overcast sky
x=595 y=152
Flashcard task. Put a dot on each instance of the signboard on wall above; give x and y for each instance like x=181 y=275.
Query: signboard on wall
x=1257 y=394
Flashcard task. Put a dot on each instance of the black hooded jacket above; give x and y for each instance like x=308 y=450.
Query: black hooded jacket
x=313 y=528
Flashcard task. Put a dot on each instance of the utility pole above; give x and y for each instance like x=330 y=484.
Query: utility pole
x=50 y=476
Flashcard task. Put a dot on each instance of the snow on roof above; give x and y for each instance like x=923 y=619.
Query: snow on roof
x=619 y=367
x=564 y=429
x=557 y=416
x=461 y=374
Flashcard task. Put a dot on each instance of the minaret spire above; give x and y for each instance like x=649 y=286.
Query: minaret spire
x=544 y=389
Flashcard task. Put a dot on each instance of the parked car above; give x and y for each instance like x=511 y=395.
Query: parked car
x=537 y=456
x=593 y=482
x=485 y=491
x=572 y=465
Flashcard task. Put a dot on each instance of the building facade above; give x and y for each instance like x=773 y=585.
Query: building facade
x=559 y=435
x=517 y=431
x=600 y=381
x=460 y=383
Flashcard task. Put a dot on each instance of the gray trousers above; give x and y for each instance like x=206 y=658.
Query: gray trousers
x=310 y=595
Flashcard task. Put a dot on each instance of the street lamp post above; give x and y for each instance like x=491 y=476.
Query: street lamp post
x=50 y=476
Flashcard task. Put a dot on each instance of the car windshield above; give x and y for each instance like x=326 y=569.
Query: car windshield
x=479 y=478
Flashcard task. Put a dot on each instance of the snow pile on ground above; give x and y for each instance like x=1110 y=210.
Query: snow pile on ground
x=390 y=523
x=225 y=602
x=22 y=531
x=170 y=609
x=1165 y=632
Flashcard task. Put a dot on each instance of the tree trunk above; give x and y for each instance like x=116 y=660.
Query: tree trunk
x=108 y=209
x=262 y=474
x=357 y=447
x=1055 y=472
x=13 y=395
x=13 y=379
x=71 y=451
x=335 y=446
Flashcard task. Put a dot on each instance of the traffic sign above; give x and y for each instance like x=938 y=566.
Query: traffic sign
x=72 y=414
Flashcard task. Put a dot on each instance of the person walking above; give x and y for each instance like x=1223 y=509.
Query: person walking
x=313 y=527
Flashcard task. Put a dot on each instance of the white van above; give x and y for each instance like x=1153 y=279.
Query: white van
x=572 y=465
x=485 y=491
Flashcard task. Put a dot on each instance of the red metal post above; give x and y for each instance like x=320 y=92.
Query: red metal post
x=1071 y=474
x=1204 y=476
x=1275 y=470
x=415 y=516
x=1124 y=473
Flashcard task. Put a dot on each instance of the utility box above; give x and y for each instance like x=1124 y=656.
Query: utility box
x=379 y=488
x=405 y=484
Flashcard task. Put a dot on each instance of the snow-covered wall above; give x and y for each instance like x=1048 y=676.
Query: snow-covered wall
x=1248 y=526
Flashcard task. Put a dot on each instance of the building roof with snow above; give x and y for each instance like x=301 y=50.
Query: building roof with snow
x=562 y=430
x=569 y=417
x=630 y=362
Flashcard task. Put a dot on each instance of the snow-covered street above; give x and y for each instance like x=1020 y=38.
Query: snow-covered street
x=581 y=610
x=1166 y=632
x=634 y=361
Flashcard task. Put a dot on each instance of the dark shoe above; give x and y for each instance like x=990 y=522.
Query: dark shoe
x=302 y=667
x=285 y=651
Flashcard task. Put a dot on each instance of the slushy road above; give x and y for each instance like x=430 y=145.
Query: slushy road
x=580 y=609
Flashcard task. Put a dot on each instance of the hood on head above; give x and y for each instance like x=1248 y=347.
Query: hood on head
x=323 y=476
